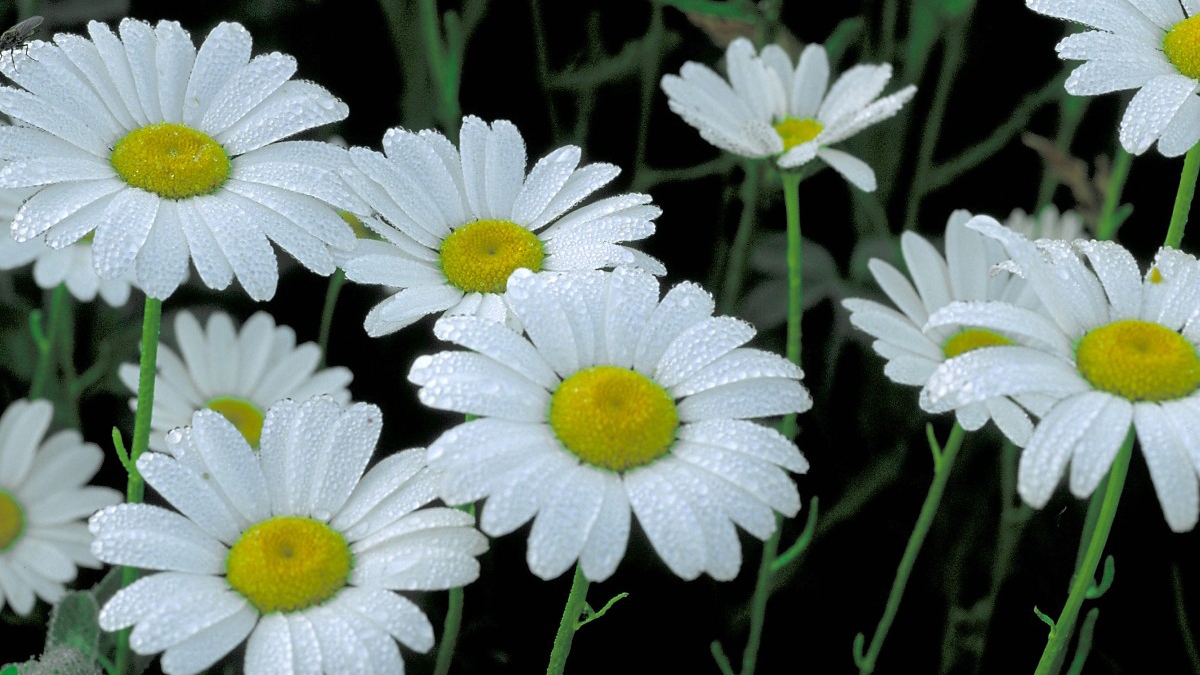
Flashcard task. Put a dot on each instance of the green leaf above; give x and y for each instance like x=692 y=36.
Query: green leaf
x=74 y=623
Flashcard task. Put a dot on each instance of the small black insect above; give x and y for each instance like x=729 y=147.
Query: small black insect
x=18 y=36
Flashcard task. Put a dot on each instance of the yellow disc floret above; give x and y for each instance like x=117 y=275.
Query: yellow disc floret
x=613 y=418
x=288 y=563
x=247 y=417
x=1181 y=44
x=12 y=520
x=171 y=160
x=1139 y=360
x=795 y=131
x=972 y=338
x=479 y=256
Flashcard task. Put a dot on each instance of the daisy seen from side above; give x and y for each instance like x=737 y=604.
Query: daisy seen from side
x=291 y=549
x=1111 y=347
x=456 y=222
x=169 y=154
x=44 y=499
x=616 y=403
x=1151 y=46
x=771 y=107
x=965 y=273
x=238 y=373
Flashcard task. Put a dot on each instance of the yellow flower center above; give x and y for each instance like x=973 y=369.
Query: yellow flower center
x=288 y=563
x=1139 y=360
x=171 y=160
x=479 y=256
x=1181 y=44
x=613 y=418
x=247 y=417
x=12 y=520
x=972 y=338
x=796 y=131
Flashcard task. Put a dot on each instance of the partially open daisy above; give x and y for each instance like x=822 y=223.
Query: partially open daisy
x=236 y=373
x=964 y=274
x=770 y=108
x=169 y=154
x=615 y=401
x=291 y=547
x=43 y=501
x=1152 y=46
x=457 y=222
x=1115 y=349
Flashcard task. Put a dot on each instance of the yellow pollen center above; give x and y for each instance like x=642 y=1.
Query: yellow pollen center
x=1181 y=44
x=171 y=160
x=1139 y=360
x=1156 y=276
x=288 y=563
x=247 y=417
x=479 y=256
x=795 y=131
x=613 y=418
x=972 y=338
x=12 y=520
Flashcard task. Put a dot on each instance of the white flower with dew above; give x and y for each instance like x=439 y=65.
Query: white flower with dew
x=457 y=221
x=965 y=274
x=616 y=403
x=291 y=549
x=1111 y=348
x=238 y=373
x=44 y=498
x=772 y=108
x=1152 y=46
x=169 y=154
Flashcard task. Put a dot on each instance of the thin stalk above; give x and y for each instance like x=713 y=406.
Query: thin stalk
x=1085 y=572
x=450 y=628
x=739 y=252
x=46 y=334
x=576 y=601
x=1106 y=227
x=1183 y=197
x=331 y=295
x=951 y=59
x=443 y=66
x=135 y=487
x=795 y=262
x=943 y=463
x=758 y=602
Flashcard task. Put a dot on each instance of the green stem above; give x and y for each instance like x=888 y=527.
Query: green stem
x=576 y=601
x=450 y=630
x=1085 y=572
x=443 y=66
x=1107 y=224
x=1183 y=197
x=135 y=487
x=739 y=252
x=331 y=295
x=795 y=262
x=951 y=59
x=45 y=339
x=758 y=602
x=942 y=464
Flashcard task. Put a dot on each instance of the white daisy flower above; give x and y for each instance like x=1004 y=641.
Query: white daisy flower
x=770 y=108
x=290 y=548
x=236 y=373
x=169 y=153
x=1152 y=46
x=616 y=401
x=43 y=501
x=1116 y=349
x=1048 y=223
x=457 y=222
x=966 y=273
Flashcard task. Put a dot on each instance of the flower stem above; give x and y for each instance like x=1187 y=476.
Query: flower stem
x=758 y=602
x=331 y=295
x=1085 y=572
x=943 y=462
x=450 y=628
x=735 y=269
x=576 y=601
x=45 y=335
x=135 y=487
x=795 y=262
x=1183 y=197
x=1106 y=227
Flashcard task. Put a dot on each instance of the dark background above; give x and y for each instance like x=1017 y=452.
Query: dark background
x=864 y=437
